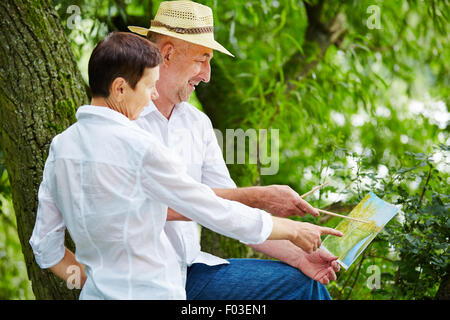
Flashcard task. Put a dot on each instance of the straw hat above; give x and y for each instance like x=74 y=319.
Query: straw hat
x=185 y=20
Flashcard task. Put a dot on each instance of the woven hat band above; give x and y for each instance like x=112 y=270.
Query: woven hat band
x=198 y=30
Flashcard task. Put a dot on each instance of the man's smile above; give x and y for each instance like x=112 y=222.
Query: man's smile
x=193 y=84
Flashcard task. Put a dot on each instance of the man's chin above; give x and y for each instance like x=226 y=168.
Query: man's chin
x=184 y=97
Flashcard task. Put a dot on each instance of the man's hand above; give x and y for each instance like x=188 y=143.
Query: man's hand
x=319 y=265
x=282 y=201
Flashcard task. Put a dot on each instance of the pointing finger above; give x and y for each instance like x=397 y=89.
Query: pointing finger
x=334 y=232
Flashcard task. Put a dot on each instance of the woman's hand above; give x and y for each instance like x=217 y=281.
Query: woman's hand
x=303 y=234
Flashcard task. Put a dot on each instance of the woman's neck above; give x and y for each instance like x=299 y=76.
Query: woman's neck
x=108 y=103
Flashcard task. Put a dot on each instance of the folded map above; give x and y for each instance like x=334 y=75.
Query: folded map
x=357 y=236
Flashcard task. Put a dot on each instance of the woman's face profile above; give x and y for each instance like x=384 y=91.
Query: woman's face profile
x=144 y=91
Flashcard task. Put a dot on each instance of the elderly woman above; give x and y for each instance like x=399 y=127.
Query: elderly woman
x=110 y=183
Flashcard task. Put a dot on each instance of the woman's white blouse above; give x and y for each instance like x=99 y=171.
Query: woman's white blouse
x=110 y=183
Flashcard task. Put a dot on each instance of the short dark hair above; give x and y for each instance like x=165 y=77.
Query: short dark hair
x=120 y=54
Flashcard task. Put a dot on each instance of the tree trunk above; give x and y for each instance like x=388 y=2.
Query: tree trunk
x=40 y=90
x=443 y=292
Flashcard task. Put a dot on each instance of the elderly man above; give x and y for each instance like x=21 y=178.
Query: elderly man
x=183 y=32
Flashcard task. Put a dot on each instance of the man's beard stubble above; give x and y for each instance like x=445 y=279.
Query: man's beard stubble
x=184 y=94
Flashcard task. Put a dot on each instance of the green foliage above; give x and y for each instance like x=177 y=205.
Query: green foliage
x=412 y=250
x=354 y=117
x=422 y=238
x=370 y=102
x=15 y=283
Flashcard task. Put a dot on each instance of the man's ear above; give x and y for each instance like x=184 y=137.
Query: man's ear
x=167 y=51
x=117 y=88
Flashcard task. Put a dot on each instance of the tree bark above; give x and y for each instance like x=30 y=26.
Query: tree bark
x=443 y=292
x=40 y=90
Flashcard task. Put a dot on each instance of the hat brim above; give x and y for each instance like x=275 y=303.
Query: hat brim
x=199 y=39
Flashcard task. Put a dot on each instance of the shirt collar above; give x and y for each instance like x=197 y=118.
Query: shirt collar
x=89 y=111
x=179 y=109
x=148 y=109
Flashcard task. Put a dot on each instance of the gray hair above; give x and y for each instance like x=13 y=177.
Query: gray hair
x=154 y=37
x=160 y=39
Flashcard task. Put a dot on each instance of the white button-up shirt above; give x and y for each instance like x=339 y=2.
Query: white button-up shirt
x=110 y=183
x=189 y=133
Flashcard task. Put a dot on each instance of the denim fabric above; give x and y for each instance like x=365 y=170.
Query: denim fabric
x=251 y=279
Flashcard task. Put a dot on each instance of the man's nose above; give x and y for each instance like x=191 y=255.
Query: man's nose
x=206 y=72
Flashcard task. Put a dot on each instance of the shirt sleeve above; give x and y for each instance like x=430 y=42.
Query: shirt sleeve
x=164 y=179
x=47 y=239
x=215 y=173
x=214 y=170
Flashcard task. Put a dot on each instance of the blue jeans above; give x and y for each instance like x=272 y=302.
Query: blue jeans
x=251 y=279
